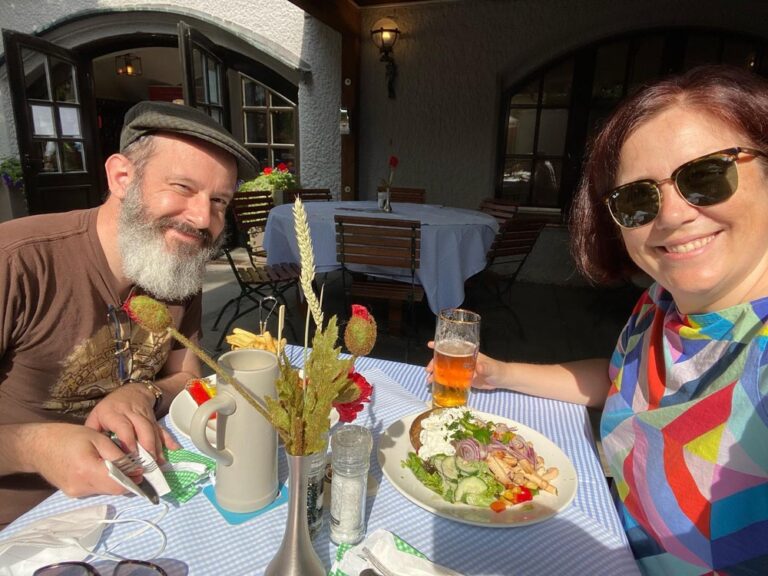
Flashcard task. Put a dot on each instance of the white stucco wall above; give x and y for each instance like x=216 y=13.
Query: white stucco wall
x=454 y=58
x=272 y=31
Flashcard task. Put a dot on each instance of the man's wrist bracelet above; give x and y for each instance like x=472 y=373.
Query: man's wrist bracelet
x=152 y=388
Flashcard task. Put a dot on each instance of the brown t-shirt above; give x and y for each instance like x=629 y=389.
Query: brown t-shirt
x=57 y=349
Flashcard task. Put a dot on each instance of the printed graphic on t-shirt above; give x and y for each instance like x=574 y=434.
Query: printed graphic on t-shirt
x=90 y=372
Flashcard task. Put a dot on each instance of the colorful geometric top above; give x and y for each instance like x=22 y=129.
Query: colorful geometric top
x=685 y=431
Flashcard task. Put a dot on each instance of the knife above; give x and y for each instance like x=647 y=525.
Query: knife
x=145 y=486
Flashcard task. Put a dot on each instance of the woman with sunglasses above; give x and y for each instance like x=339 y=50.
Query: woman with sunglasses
x=676 y=186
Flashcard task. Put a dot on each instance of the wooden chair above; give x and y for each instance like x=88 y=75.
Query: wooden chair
x=410 y=195
x=256 y=282
x=383 y=243
x=502 y=210
x=307 y=195
x=251 y=210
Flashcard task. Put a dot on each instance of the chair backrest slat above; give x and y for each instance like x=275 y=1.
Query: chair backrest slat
x=378 y=241
x=501 y=210
x=307 y=195
x=409 y=195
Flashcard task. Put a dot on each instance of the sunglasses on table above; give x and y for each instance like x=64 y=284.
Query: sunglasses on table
x=701 y=182
x=122 y=568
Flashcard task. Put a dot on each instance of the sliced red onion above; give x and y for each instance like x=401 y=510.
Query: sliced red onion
x=469 y=449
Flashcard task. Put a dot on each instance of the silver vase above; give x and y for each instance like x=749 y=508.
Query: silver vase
x=296 y=556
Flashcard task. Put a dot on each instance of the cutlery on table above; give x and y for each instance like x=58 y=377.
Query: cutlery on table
x=437 y=569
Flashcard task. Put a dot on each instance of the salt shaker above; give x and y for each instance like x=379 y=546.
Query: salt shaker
x=350 y=457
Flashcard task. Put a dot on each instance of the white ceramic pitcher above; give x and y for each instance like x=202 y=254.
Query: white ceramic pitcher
x=246 y=444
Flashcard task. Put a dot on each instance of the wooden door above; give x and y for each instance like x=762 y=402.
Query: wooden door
x=53 y=106
x=204 y=73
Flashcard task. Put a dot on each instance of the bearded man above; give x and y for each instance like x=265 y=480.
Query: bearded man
x=72 y=365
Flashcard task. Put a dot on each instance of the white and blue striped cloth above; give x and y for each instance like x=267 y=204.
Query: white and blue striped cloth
x=585 y=538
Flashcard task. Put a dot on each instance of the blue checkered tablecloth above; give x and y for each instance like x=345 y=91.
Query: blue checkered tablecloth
x=585 y=538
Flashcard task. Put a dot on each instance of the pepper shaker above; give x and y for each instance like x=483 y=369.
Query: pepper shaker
x=350 y=456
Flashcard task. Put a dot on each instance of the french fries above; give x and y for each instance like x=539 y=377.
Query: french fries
x=243 y=339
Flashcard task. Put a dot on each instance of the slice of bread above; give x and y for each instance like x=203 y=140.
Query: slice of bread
x=415 y=431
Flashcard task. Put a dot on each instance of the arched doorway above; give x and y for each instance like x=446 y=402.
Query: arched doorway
x=69 y=98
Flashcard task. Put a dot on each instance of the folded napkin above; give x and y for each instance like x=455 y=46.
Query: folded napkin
x=391 y=551
x=185 y=471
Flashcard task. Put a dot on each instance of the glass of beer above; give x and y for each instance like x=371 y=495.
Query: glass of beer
x=457 y=340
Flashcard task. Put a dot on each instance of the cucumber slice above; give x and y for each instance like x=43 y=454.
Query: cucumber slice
x=469 y=485
x=448 y=468
x=468 y=467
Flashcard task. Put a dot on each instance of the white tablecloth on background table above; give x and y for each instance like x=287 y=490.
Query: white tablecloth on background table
x=454 y=242
x=585 y=538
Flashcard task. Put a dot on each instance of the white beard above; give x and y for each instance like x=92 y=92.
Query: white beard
x=147 y=261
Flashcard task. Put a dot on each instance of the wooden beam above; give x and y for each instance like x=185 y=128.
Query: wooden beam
x=341 y=15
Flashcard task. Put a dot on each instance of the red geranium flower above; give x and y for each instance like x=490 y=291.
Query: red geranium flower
x=282 y=167
x=267 y=170
x=348 y=411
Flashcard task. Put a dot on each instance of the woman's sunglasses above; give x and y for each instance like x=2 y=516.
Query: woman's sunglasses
x=704 y=181
x=122 y=568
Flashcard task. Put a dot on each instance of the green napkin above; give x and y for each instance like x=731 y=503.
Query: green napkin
x=185 y=472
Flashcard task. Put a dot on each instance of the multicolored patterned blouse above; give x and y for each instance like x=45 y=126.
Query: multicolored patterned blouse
x=685 y=430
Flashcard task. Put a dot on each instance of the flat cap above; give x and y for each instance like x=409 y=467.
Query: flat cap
x=150 y=117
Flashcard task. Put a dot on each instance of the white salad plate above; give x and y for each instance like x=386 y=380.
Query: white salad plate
x=182 y=409
x=395 y=444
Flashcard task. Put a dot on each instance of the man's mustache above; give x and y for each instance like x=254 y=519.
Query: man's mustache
x=183 y=227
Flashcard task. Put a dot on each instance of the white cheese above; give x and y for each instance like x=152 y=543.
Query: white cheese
x=435 y=436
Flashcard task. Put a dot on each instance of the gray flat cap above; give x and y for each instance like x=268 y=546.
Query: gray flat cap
x=156 y=117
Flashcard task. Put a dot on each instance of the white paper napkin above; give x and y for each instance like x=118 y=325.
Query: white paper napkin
x=397 y=555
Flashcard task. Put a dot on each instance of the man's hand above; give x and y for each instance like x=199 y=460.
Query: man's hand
x=489 y=373
x=69 y=456
x=129 y=413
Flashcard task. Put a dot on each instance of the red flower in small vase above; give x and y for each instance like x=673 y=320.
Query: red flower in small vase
x=393 y=161
x=348 y=411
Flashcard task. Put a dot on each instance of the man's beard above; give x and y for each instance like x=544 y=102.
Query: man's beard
x=149 y=262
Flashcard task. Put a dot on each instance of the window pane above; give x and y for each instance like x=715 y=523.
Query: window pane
x=285 y=155
x=69 y=118
x=256 y=127
x=74 y=160
x=35 y=76
x=261 y=155
x=63 y=80
x=282 y=127
x=520 y=131
x=556 y=90
x=48 y=153
x=278 y=100
x=217 y=114
x=552 y=128
x=42 y=120
x=646 y=65
x=517 y=177
x=214 y=90
x=197 y=75
x=701 y=49
x=528 y=95
x=254 y=94
x=546 y=182
x=610 y=68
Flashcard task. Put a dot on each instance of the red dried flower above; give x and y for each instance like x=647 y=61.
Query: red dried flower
x=360 y=311
x=348 y=411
